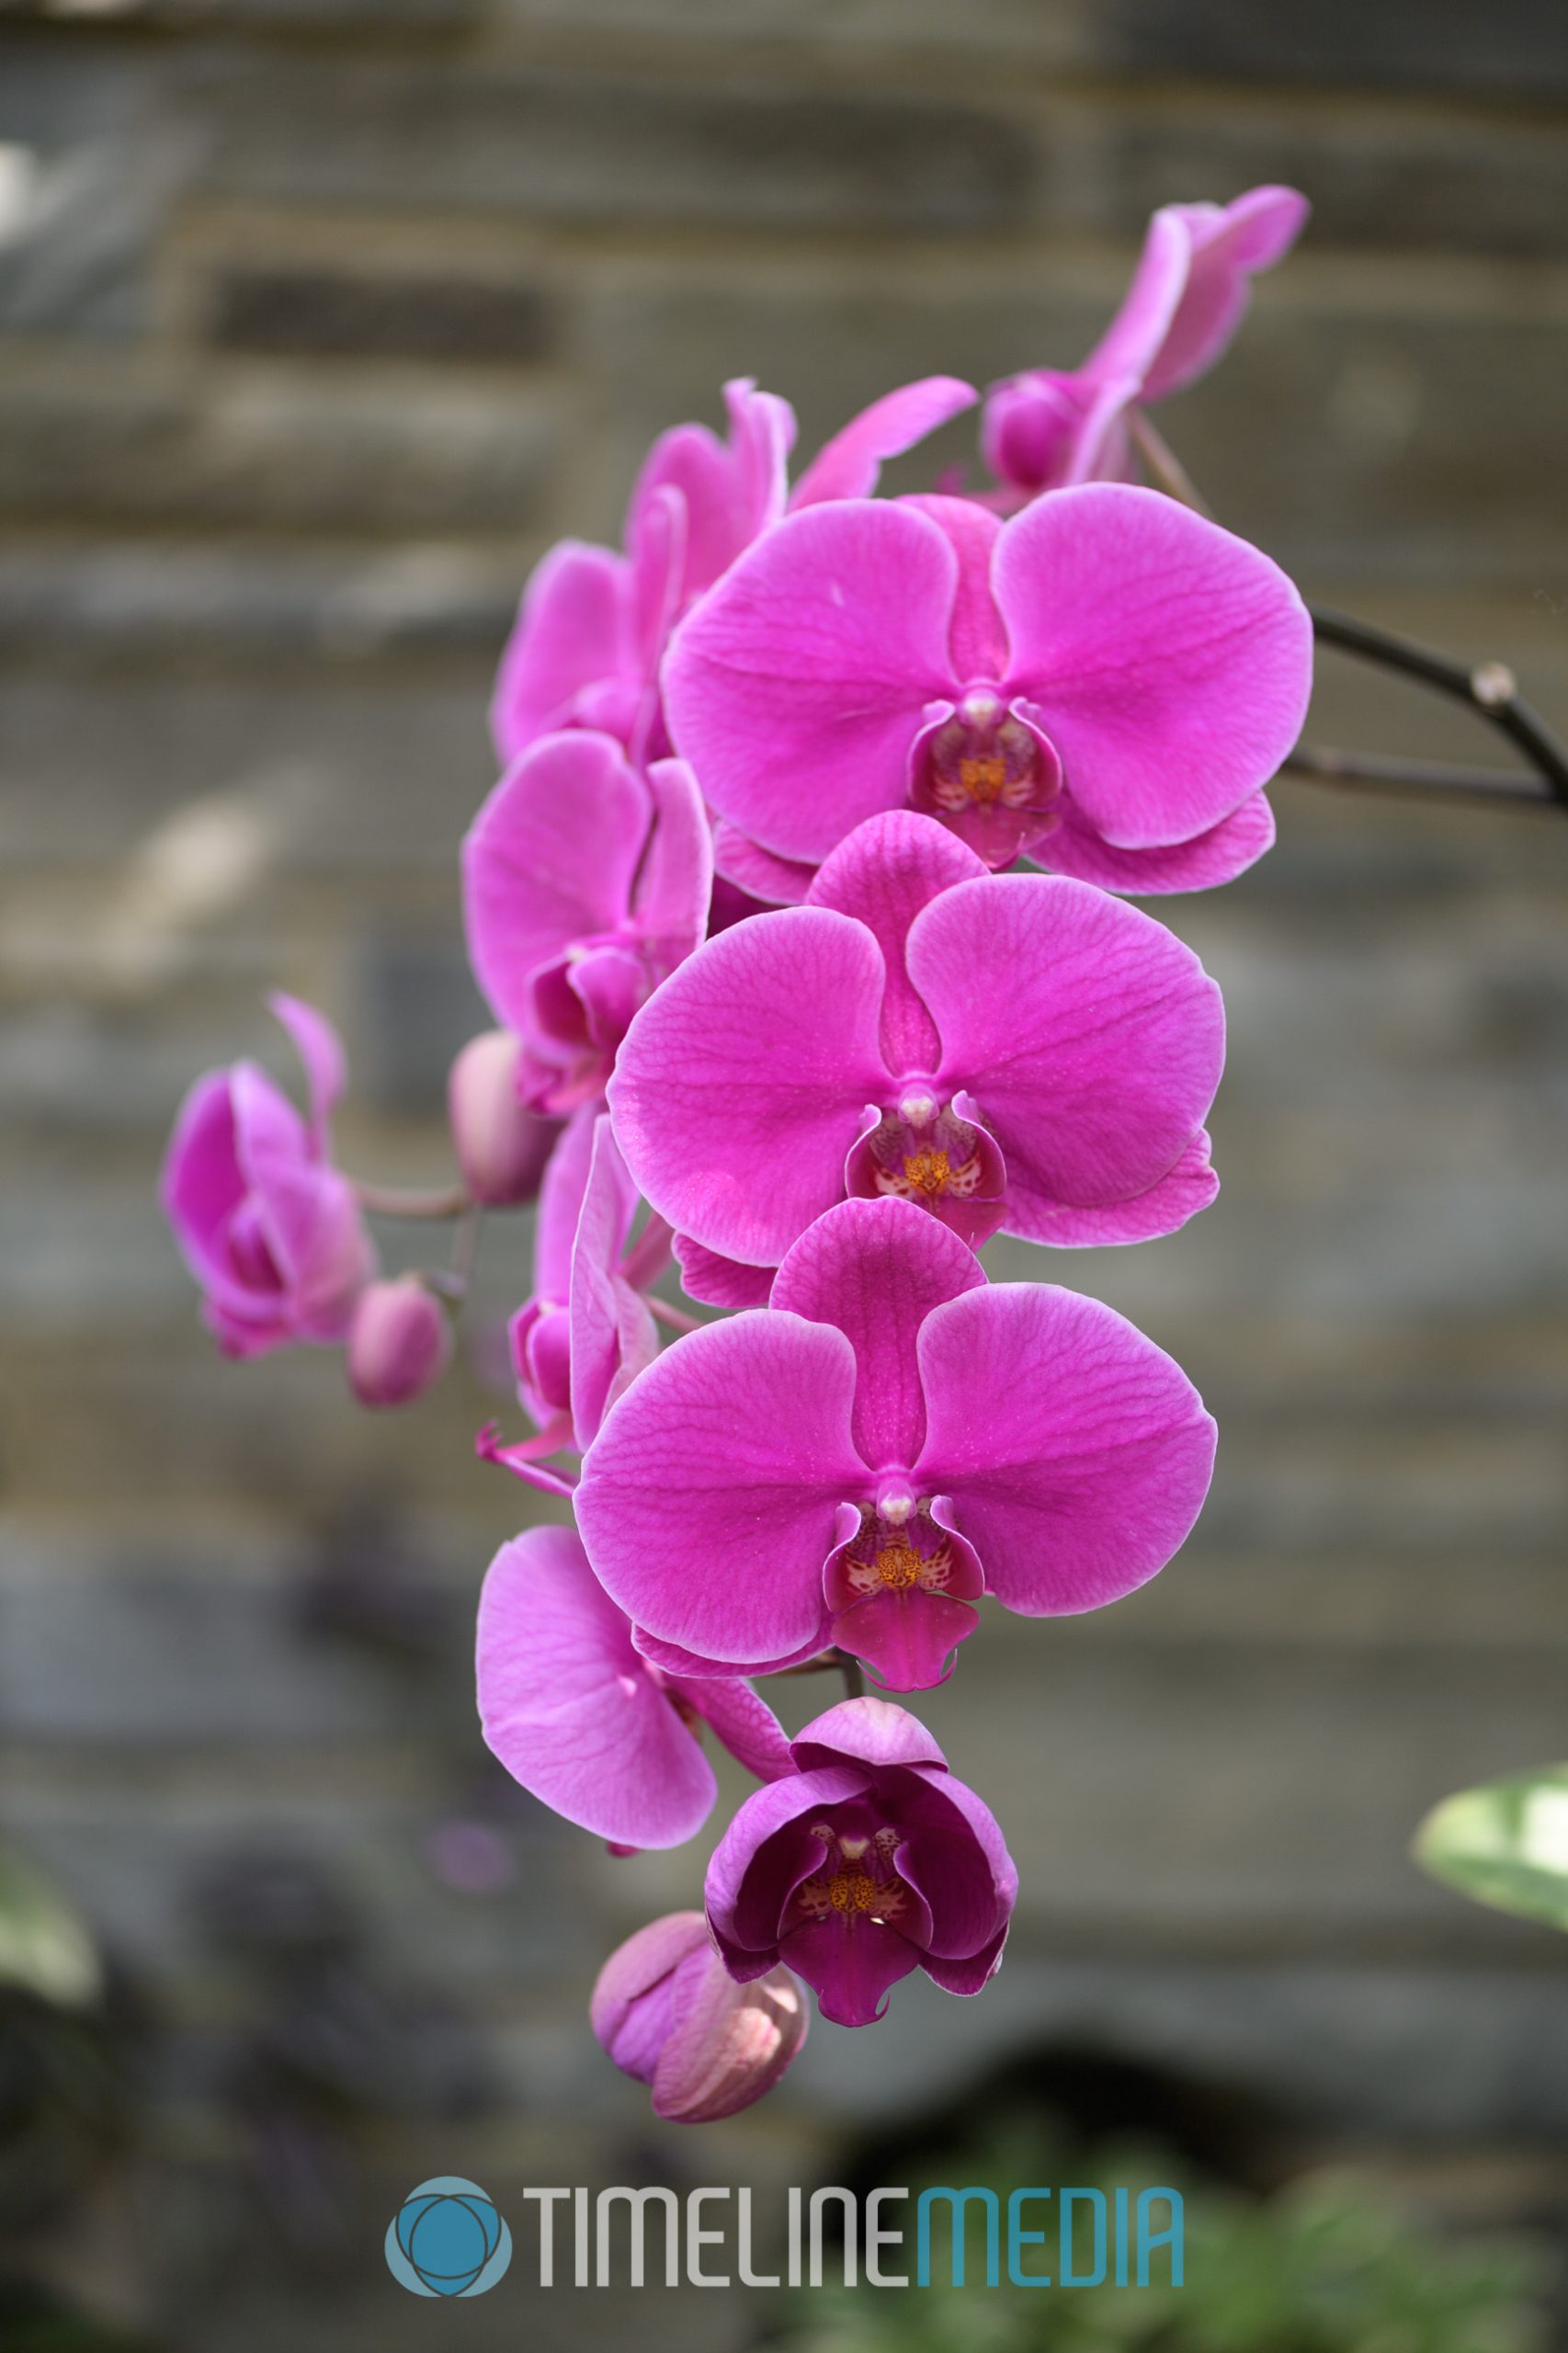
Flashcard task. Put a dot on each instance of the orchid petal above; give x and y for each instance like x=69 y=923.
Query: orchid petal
x=1170 y=662
x=1076 y=1452
x=613 y=1335
x=321 y=1050
x=1217 y=856
x=709 y=1500
x=740 y=1085
x=746 y=1725
x=777 y=881
x=874 y=1270
x=882 y=875
x=1228 y=244
x=572 y=631
x=571 y=1709
x=677 y=878
x=719 y=1282
x=793 y=686
x=1089 y=1035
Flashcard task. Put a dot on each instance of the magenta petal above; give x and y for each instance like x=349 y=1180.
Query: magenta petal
x=573 y=632
x=848 y=465
x=970 y=1975
x=613 y=1335
x=883 y=874
x=955 y=1857
x=321 y=1050
x=746 y=1725
x=851 y=1966
x=868 y=1732
x=202 y=1184
x=1131 y=343
x=795 y=687
x=1185 y=1190
x=681 y=1665
x=740 y=1086
x=571 y=1709
x=777 y=881
x=728 y=2044
x=908 y=1640
x=876 y=1270
x=1076 y=1452
x=1170 y=662
x=708 y=1501
x=719 y=1282
x=1228 y=245
x=1090 y=1037
x=676 y=878
x=763 y=1856
x=629 y=2009
x=1226 y=850
x=977 y=643
x=549 y=862
x=561 y=1193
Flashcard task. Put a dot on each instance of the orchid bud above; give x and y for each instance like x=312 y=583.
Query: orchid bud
x=502 y=1146
x=668 y=2012
x=399 y=1343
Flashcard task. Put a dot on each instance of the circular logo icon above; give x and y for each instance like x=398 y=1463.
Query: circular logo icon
x=448 y=2240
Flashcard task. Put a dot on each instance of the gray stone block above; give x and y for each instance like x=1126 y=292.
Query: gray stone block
x=1521 y=48
x=380 y=314
x=571 y=146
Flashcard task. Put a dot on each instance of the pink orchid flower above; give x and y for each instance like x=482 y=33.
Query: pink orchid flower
x=872 y=1861
x=892 y=1437
x=583 y=884
x=596 y=1733
x=585 y=1331
x=1048 y=426
x=1104 y=682
x=271 y=1231
x=593 y=625
x=400 y=1342
x=1011 y=1051
x=668 y=2012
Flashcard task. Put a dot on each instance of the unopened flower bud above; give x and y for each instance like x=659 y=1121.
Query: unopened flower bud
x=668 y=2012
x=399 y=1343
x=502 y=1146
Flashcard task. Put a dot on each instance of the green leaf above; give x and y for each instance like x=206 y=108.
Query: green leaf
x=1504 y=1844
x=45 y=1948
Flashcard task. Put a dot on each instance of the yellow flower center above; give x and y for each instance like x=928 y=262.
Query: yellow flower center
x=898 y=1565
x=983 y=777
x=854 y=1891
x=928 y=1172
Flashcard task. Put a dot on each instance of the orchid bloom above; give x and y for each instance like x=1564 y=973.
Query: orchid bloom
x=271 y=1231
x=501 y=1147
x=585 y=1330
x=400 y=1342
x=1104 y=682
x=1049 y=426
x=583 y=884
x=872 y=1861
x=858 y=1462
x=668 y=2012
x=1011 y=1051
x=600 y=1734
x=594 y=624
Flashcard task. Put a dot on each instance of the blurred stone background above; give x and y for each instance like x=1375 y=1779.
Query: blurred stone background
x=321 y=318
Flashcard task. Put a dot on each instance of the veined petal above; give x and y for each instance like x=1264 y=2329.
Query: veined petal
x=1170 y=662
x=570 y=1708
x=613 y=1335
x=1217 y=856
x=1185 y=1190
x=778 y=882
x=1228 y=244
x=573 y=630
x=550 y=860
x=1076 y=1452
x=720 y=1282
x=882 y=875
x=955 y=1855
x=1090 y=1037
x=874 y=1271
x=561 y=1193
x=870 y=1732
x=670 y=902
x=739 y=1088
x=746 y=1725
x=851 y=1969
x=795 y=687
x=709 y=1500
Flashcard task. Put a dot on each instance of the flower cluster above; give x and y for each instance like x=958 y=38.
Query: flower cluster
x=781 y=1006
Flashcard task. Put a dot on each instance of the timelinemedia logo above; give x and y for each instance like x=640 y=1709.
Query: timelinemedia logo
x=448 y=2239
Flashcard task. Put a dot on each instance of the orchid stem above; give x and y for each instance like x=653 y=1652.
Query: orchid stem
x=411 y=1201
x=1489 y=688
x=675 y=1318
x=854 y=1679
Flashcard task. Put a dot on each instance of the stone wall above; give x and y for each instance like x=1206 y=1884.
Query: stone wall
x=319 y=319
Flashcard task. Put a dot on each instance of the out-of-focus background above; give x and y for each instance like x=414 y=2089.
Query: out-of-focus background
x=321 y=319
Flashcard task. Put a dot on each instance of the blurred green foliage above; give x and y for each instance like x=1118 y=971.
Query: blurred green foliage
x=1330 y=2265
x=1504 y=1844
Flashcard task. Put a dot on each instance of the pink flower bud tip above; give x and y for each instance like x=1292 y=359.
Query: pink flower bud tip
x=668 y=2012
x=399 y=1343
x=502 y=1146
